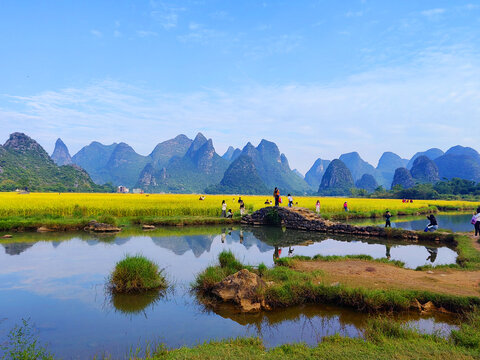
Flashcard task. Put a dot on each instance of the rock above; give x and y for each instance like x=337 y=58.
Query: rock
x=7 y=236
x=443 y=310
x=101 y=227
x=416 y=305
x=148 y=227
x=429 y=306
x=403 y=178
x=44 y=229
x=242 y=288
x=429 y=272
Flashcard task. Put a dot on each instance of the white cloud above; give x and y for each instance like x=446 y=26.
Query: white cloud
x=165 y=13
x=146 y=33
x=432 y=102
x=433 y=12
x=96 y=33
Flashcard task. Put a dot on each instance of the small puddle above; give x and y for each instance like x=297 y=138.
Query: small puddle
x=57 y=280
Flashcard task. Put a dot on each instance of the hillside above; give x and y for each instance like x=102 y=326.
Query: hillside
x=24 y=163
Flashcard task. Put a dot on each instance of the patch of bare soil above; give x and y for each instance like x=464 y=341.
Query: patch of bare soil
x=374 y=275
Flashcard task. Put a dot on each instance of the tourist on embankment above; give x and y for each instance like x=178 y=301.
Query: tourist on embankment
x=476 y=221
x=229 y=214
x=224 y=208
x=345 y=206
x=290 y=200
x=242 y=206
x=433 y=225
x=387 y=219
x=317 y=207
x=276 y=195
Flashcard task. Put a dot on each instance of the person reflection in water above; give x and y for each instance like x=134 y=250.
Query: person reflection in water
x=290 y=251
x=433 y=254
x=276 y=253
x=387 y=251
x=224 y=235
x=241 y=236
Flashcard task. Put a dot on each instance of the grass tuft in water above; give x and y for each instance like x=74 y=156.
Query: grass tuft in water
x=136 y=274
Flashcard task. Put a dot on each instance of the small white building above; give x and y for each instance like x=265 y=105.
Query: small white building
x=137 y=191
x=123 y=189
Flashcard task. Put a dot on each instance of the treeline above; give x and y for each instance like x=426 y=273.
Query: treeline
x=454 y=189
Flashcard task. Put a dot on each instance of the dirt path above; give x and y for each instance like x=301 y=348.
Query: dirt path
x=374 y=275
x=471 y=235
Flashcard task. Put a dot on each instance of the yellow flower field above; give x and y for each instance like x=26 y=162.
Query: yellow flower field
x=170 y=205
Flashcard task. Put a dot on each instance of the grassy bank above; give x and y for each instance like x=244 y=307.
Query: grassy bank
x=382 y=339
x=289 y=287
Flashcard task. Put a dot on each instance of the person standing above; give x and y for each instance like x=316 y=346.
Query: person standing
x=476 y=221
x=276 y=195
x=242 y=207
x=387 y=219
x=317 y=207
x=345 y=206
x=290 y=200
x=224 y=209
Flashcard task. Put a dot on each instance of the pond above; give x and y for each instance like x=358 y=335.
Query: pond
x=454 y=222
x=57 y=281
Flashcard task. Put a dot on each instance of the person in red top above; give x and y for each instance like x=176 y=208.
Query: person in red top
x=345 y=206
x=276 y=195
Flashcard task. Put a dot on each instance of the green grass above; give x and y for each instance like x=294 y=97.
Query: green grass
x=382 y=339
x=291 y=287
x=136 y=274
x=288 y=261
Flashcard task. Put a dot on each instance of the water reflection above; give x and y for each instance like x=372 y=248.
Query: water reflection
x=252 y=244
x=58 y=281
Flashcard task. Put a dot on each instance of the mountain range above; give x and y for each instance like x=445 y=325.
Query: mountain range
x=183 y=165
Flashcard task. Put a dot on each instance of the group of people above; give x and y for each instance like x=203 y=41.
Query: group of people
x=229 y=214
x=407 y=201
x=432 y=225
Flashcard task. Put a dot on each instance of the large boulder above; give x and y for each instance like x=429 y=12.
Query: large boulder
x=243 y=289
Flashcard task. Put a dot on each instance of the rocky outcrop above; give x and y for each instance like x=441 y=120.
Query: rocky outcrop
x=403 y=178
x=337 y=179
x=304 y=219
x=432 y=154
x=101 y=227
x=60 y=155
x=243 y=289
x=367 y=182
x=424 y=170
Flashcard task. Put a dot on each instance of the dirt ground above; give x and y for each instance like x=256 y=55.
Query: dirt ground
x=374 y=275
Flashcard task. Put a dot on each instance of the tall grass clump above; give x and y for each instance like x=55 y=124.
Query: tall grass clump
x=136 y=274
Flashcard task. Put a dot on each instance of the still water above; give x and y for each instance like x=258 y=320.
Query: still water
x=57 y=281
x=455 y=222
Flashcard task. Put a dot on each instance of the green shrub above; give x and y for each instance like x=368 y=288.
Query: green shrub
x=262 y=268
x=273 y=218
x=22 y=344
x=107 y=219
x=136 y=274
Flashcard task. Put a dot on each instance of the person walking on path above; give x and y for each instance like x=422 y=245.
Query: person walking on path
x=387 y=219
x=224 y=209
x=290 y=200
x=433 y=225
x=476 y=221
x=345 y=206
x=317 y=207
x=276 y=195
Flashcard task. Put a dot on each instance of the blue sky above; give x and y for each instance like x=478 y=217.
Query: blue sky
x=319 y=78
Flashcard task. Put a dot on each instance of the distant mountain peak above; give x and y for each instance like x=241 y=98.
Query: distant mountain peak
x=21 y=143
x=61 y=155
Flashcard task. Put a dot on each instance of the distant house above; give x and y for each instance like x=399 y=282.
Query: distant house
x=137 y=191
x=123 y=189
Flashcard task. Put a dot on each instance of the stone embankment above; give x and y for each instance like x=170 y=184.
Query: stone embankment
x=304 y=219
